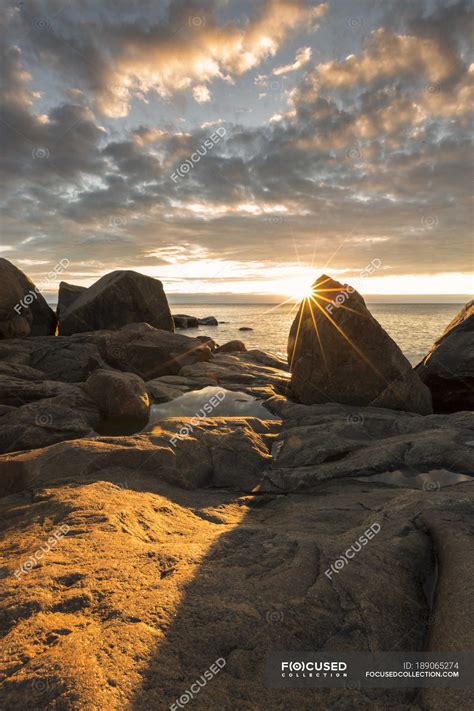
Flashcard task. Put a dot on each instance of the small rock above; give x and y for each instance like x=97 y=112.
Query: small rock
x=232 y=347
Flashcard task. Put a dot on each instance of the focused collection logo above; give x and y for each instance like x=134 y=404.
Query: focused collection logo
x=313 y=669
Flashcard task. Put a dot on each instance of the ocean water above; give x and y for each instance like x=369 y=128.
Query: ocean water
x=414 y=327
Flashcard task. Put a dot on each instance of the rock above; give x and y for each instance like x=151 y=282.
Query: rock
x=50 y=420
x=186 y=452
x=183 y=321
x=121 y=397
x=208 y=321
x=117 y=299
x=269 y=359
x=322 y=442
x=18 y=391
x=151 y=352
x=162 y=392
x=232 y=347
x=208 y=341
x=68 y=293
x=245 y=328
x=17 y=351
x=239 y=371
x=338 y=352
x=23 y=309
x=19 y=370
x=448 y=369
x=161 y=582
x=70 y=359
x=136 y=348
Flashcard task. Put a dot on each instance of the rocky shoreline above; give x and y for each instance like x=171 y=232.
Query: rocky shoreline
x=176 y=542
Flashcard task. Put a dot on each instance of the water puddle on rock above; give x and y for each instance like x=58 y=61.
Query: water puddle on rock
x=428 y=481
x=211 y=401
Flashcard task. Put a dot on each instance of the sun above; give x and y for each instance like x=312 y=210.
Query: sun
x=301 y=290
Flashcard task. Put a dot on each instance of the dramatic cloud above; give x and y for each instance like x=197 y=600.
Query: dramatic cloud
x=136 y=137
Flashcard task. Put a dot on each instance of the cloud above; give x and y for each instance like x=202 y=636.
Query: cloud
x=126 y=57
x=370 y=158
x=303 y=56
x=201 y=94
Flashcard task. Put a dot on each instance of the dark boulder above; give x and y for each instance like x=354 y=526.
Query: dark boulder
x=338 y=352
x=245 y=328
x=184 y=321
x=23 y=309
x=118 y=299
x=448 y=368
x=208 y=321
x=68 y=293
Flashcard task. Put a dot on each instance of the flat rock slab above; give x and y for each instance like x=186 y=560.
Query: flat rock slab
x=147 y=585
x=321 y=442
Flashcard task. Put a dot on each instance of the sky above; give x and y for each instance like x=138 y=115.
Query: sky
x=240 y=148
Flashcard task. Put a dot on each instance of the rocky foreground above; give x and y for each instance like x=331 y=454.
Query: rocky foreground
x=138 y=551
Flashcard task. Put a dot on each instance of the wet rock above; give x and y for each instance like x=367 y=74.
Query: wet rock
x=23 y=309
x=117 y=299
x=448 y=369
x=338 y=352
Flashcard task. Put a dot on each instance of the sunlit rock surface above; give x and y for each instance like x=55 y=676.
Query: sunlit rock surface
x=338 y=352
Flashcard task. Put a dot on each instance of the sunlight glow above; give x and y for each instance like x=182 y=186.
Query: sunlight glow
x=301 y=291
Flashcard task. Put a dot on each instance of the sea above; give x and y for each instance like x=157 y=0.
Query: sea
x=414 y=327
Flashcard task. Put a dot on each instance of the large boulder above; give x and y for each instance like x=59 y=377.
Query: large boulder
x=338 y=352
x=117 y=299
x=122 y=398
x=448 y=369
x=68 y=293
x=23 y=310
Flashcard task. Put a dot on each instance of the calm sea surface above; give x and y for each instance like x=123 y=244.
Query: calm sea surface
x=413 y=326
